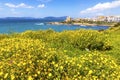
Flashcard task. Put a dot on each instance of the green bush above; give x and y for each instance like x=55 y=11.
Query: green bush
x=82 y=39
x=92 y=40
x=3 y=36
x=117 y=24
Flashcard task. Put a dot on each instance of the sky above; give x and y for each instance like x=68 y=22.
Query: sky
x=57 y=8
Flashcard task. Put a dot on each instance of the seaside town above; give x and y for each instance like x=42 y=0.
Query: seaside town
x=98 y=20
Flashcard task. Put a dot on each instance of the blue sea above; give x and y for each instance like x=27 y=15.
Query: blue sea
x=8 y=26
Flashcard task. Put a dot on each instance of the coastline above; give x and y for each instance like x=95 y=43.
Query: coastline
x=79 y=24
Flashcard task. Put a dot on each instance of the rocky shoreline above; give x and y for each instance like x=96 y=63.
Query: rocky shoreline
x=78 y=24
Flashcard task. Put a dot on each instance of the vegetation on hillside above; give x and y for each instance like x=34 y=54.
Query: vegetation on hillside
x=68 y=55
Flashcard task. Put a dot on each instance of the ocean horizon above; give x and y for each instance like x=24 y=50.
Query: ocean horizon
x=10 y=25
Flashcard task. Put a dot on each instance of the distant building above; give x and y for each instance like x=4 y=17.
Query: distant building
x=118 y=18
x=68 y=19
x=108 y=18
x=101 y=18
x=78 y=19
x=97 y=18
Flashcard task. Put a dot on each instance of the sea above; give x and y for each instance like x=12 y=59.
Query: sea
x=9 y=26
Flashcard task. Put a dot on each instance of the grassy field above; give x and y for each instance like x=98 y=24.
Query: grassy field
x=68 y=55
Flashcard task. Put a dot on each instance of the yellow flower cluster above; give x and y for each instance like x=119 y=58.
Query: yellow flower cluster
x=42 y=55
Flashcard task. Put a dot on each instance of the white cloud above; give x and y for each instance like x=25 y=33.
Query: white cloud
x=10 y=5
x=102 y=6
x=41 y=6
x=21 y=5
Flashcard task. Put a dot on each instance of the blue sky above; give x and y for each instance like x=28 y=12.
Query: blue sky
x=73 y=8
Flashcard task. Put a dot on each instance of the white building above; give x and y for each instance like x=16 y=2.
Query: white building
x=108 y=18
x=68 y=19
x=113 y=18
x=117 y=18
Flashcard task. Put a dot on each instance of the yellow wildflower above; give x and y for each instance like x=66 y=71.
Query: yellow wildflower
x=12 y=77
x=49 y=74
x=5 y=76
x=30 y=78
x=1 y=73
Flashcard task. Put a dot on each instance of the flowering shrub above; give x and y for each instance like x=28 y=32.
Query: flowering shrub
x=31 y=59
x=43 y=55
x=99 y=66
x=87 y=39
x=80 y=39
x=2 y=36
x=17 y=57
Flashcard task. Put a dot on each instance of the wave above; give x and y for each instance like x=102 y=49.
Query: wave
x=39 y=23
